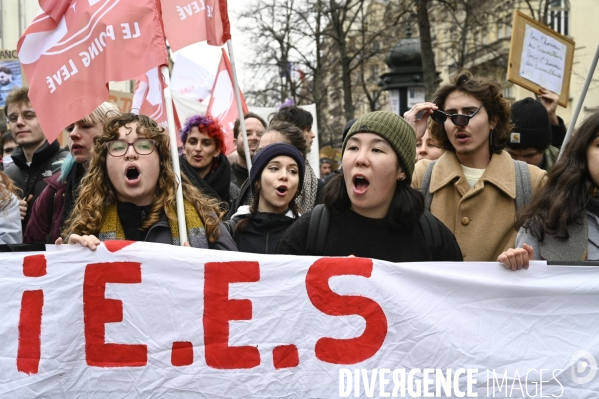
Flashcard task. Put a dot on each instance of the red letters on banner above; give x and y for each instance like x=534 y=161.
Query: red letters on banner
x=97 y=310
x=219 y=310
x=30 y=319
x=30 y=331
x=353 y=350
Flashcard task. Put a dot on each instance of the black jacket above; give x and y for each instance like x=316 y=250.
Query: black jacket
x=352 y=234
x=262 y=232
x=217 y=184
x=30 y=179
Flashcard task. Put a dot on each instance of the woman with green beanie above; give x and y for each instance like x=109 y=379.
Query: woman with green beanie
x=373 y=211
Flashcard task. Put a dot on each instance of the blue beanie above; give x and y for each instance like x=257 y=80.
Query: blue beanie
x=263 y=157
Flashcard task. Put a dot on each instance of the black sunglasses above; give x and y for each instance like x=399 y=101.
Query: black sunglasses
x=457 y=119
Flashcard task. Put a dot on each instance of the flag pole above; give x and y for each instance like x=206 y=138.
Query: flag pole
x=583 y=93
x=246 y=146
x=172 y=133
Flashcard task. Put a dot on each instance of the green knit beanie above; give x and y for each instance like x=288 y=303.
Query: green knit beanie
x=393 y=128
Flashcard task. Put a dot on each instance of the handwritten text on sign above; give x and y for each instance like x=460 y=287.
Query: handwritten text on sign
x=543 y=59
x=152 y=320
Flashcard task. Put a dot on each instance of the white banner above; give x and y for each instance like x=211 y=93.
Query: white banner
x=157 y=321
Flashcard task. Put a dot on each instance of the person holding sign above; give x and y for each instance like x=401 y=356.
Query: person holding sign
x=370 y=209
x=474 y=187
x=129 y=192
x=562 y=221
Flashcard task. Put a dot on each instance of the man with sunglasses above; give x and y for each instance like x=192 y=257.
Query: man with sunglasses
x=35 y=158
x=472 y=188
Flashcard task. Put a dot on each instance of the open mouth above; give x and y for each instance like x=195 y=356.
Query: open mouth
x=360 y=184
x=282 y=189
x=77 y=147
x=132 y=173
x=461 y=136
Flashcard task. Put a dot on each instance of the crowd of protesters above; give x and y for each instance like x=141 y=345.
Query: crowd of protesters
x=467 y=176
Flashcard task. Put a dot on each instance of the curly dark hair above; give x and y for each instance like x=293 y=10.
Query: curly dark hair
x=562 y=202
x=488 y=91
x=294 y=115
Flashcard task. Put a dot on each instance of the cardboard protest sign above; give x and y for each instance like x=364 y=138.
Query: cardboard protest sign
x=540 y=57
x=152 y=320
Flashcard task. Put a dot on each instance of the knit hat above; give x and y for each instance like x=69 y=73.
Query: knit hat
x=393 y=128
x=532 y=128
x=264 y=156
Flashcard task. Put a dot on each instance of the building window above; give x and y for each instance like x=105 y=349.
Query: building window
x=558 y=16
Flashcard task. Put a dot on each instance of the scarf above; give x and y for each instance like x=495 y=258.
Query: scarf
x=215 y=184
x=112 y=229
x=306 y=200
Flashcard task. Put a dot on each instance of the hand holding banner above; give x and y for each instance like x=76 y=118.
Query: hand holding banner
x=149 y=320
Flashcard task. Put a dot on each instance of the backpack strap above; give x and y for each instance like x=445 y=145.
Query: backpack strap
x=425 y=185
x=317 y=230
x=523 y=187
x=431 y=231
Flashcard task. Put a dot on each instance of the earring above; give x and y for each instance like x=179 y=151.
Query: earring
x=491 y=138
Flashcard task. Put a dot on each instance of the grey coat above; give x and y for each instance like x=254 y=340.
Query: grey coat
x=583 y=243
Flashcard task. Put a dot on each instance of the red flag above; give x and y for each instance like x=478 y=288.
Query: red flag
x=187 y=22
x=72 y=49
x=222 y=104
x=148 y=99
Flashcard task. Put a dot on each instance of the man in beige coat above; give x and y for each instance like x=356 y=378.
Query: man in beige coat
x=473 y=185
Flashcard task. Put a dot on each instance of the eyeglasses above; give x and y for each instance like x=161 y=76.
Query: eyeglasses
x=27 y=115
x=118 y=148
x=458 y=119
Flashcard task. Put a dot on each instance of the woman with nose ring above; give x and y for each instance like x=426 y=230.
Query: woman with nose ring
x=204 y=160
x=129 y=193
x=473 y=187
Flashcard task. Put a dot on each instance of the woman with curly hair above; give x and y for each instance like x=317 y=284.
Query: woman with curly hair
x=204 y=161
x=129 y=192
x=10 y=216
x=473 y=187
x=561 y=223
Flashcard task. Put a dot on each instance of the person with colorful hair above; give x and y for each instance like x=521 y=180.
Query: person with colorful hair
x=129 y=193
x=56 y=202
x=204 y=160
x=276 y=179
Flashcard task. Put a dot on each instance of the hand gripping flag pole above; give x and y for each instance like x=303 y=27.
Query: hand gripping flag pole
x=172 y=133
x=583 y=93
x=246 y=146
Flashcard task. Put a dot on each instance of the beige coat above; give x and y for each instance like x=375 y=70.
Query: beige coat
x=482 y=217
